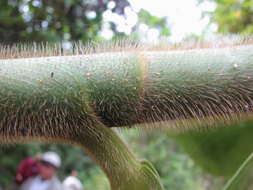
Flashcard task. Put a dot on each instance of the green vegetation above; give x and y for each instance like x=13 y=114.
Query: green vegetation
x=41 y=20
x=61 y=21
x=233 y=16
x=211 y=149
x=242 y=179
x=176 y=169
x=88 y=100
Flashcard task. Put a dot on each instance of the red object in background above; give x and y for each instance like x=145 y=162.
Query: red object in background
x=27 y=168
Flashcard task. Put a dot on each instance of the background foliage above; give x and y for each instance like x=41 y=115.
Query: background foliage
x=233 y=16
x=42 y=20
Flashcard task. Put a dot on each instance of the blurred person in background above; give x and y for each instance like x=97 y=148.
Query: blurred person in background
x=46 y=179
x=27 y=168
x=72 y=182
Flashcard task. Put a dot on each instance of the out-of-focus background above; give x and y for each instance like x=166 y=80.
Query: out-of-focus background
x=65 y=21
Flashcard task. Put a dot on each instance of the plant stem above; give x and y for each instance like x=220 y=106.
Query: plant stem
x=124 y=171
x=76 y=97
x=128 y=88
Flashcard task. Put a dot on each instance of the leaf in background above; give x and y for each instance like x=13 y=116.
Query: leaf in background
x=219 y=151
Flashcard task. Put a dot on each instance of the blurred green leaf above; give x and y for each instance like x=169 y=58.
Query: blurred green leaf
x=219 y=151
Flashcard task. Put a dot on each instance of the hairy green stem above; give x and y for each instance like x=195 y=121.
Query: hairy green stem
x=124 y=171
x=127 y=88
x=73 y=98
